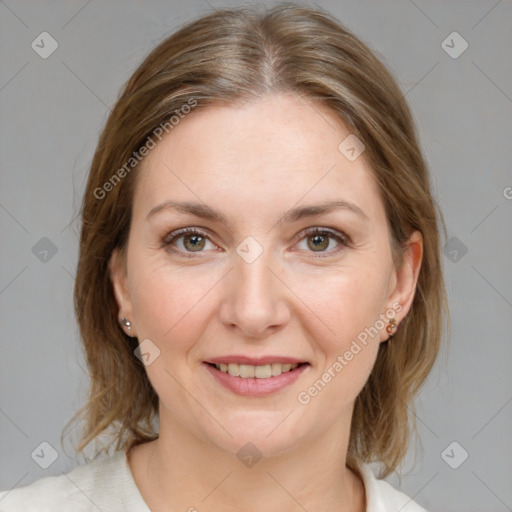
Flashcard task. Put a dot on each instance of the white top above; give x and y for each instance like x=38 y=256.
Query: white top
x=107 y=485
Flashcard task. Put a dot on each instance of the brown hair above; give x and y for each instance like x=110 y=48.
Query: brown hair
x=238 y=55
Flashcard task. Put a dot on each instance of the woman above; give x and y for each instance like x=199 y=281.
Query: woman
x=259 y=274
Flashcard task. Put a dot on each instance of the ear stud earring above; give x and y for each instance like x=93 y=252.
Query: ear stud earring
x=126 y=323
x=391 y=327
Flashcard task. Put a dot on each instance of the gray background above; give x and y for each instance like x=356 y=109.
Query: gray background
x=52 y=111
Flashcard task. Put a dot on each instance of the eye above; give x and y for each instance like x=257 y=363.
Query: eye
x=319 y=239
x=192 y=240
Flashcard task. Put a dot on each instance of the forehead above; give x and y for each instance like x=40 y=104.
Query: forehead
x=279 y=150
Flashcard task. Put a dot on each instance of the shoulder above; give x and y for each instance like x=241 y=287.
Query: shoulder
x=85 y=488
x=382 y=496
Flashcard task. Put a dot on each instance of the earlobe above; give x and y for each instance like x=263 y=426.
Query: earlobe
x=406 y=277
x=118 y=277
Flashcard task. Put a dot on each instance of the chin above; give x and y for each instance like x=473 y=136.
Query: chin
x=267 y=434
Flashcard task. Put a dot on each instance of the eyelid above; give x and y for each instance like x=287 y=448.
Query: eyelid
x=173 y=235
x=324 y=230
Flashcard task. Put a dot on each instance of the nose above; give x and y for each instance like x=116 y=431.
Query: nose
x=254 y=300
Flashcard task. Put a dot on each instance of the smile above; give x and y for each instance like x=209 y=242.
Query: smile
x=256 y=380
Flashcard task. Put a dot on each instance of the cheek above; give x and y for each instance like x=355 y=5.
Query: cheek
x=347 y=344
x=171 y=309
x=345 y=303
x=169 y=302
x=348 y=308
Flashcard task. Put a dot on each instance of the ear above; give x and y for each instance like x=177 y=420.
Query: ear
x=118 y=276
x=404 y=280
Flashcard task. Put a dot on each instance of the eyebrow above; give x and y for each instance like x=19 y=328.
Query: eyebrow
x=206 y=212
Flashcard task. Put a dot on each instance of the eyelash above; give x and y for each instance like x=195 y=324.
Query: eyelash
x=341 y=238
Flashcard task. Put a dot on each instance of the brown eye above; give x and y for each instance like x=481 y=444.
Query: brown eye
x=193 y=242
x=187 y=241
x=318 y=242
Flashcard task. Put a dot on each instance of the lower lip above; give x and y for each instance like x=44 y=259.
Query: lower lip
x=253 y=386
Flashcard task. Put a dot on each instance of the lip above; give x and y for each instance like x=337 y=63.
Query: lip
x=255 y=361
x=253 y=386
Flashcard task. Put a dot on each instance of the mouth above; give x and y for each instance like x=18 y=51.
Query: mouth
x=255 y=379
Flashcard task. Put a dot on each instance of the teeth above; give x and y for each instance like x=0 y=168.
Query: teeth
x=277 y=369
x=263 y=372
x=233 y=369
x=247 y=371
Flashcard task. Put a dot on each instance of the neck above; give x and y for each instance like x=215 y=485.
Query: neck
x=183 y=471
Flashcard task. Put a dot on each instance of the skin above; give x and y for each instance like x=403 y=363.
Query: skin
x=254 y=163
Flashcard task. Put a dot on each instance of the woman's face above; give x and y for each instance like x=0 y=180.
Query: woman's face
x=251 y=287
